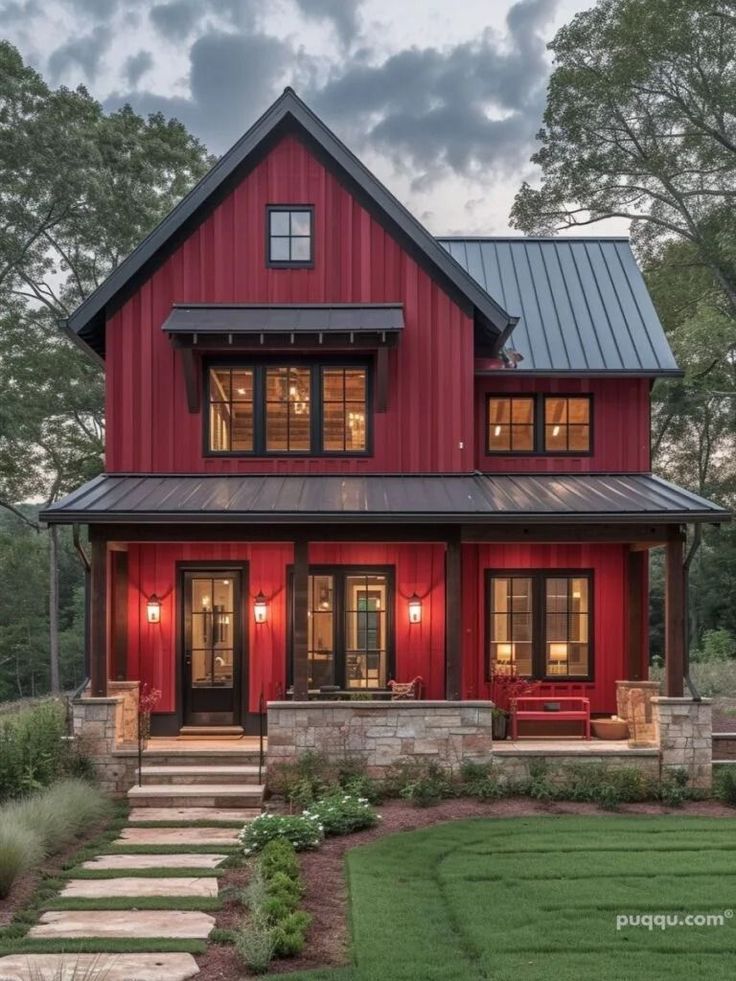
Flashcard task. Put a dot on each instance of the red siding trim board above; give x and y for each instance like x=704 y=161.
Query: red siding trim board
x=430 y=413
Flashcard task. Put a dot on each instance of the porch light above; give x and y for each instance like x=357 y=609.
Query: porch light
x=415 y=609
x=153 y=609
x=260 y=608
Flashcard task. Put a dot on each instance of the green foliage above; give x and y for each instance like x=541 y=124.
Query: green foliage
x=725 y=784
x=20 y=849
x=717 y=646
x=278 y=856
x=478 y=780
x=34 y=750
x=303 y=781
x=342 y=814
x=304 y=833
x=255 y=946
x=711 y=678
x=429 y=784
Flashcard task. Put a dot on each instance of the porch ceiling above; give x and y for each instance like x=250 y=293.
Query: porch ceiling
x=370 y=498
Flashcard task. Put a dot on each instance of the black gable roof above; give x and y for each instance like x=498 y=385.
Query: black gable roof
x=287 y=114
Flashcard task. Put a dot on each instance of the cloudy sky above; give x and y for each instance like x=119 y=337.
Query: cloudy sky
x=441 y=98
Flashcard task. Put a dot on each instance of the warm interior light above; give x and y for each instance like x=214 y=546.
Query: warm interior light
x=504 y=653
x=558 y=654
x=153 y=609
x=497 y=431
x=556 y=431
x=415 y=609
x=260 y=608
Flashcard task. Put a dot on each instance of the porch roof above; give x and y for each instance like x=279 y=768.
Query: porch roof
x=284 y=318
x=365 y=498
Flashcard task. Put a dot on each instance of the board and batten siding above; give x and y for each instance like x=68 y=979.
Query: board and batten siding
x=428 y=426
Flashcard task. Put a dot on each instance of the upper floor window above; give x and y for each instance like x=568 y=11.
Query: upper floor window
x=301 y=408
x=290 y=240
x=539 y=623
x=551 y=424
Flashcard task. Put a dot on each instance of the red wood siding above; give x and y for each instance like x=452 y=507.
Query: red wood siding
x=620 y=425
x=430 y=410
x=608 y=563
x=152 y=647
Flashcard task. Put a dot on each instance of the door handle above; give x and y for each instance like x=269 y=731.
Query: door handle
x=188 y=658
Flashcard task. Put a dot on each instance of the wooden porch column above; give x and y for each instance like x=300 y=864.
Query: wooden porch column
x=300 y=619
x=98 y=663
x=674 y=615
x=453 y=618
x=635 y=601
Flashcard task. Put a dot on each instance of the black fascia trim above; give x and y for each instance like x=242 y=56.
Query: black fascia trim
x=286 y=114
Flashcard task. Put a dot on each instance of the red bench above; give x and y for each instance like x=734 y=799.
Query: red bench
x=528 y=708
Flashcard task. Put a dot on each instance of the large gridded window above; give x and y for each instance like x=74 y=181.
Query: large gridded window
x=288 y=408
x=349 y=633
x=289 y=235
x=539 y=624
x=511 y=424
x=539 y=424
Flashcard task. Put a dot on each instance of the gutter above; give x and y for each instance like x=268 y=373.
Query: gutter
x=696 y=543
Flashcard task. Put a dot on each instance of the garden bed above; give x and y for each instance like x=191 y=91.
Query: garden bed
x=326 y=895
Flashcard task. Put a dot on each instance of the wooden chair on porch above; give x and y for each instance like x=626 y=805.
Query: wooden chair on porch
x=406 y=689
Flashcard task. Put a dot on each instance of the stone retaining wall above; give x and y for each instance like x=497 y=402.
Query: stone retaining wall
x=685 y=737
x=381 y=733
x=103 y=728
x=518 y=766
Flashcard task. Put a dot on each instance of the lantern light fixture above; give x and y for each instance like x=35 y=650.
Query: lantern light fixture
x=415 y=609
x=260 y=608
x=153 y=609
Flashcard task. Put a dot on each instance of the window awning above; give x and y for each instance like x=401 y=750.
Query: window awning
x=369 y=498
x=347 y=324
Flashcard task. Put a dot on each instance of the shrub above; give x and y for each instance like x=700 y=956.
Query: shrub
x=20 y=850
x=431 y=785
x=255 y=946
x=725 y=788
x=716 y=645
x=34 y=750
x=343 y=814
x=278 y=855
x=290 y=933
x=303 y=832
x=304 y=781
x=479 y=781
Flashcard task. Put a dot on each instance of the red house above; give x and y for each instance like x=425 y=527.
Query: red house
x=341 y=451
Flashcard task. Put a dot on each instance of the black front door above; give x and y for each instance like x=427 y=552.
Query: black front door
x=213 y=649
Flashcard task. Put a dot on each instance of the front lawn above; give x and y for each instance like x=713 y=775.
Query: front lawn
x=537 y=898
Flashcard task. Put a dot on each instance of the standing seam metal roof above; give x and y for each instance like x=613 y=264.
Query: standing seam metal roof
x=582 y=302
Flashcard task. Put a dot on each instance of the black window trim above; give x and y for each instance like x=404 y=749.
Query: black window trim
x=539 y=578
x=341 y=572
x=540 y=399
x=316 y=365
x=289 y=263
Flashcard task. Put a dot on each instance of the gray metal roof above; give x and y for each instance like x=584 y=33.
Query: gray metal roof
x=287 y=114
x=582 y=303
x=287 y=318
x=487 y=498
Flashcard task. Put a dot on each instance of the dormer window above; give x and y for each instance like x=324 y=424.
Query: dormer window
x=289 y=236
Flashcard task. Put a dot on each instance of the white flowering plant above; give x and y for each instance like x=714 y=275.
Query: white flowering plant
x=302 y=830
x=342 y=814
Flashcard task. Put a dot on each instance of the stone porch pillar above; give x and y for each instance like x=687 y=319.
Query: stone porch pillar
x=685 y=736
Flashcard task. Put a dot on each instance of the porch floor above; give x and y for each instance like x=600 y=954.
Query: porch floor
x=569 y=746
x=171 y=745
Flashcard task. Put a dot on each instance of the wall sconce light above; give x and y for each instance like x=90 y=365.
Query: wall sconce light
x=153 y=609
x=415 y=609
x=260 y=608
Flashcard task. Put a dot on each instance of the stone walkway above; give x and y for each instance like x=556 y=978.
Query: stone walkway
x=106 y=924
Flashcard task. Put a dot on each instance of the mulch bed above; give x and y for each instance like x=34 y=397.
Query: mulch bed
x=326 y=896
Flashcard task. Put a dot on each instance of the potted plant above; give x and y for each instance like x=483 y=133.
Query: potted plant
x=505 y=687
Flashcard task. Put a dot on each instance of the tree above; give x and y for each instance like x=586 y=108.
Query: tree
x=640 y=124
x=79 y=189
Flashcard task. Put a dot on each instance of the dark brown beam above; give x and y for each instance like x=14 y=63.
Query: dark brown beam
x=265 y=533
x=119 y=614
x=674 y=615
x=644 y=535
x=98 y=620
x=300 y=619
x=191 y=378
x=453 y=618
x=381 y=379
x=635 y=579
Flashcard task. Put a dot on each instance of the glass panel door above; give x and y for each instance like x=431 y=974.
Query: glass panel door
x=366 y=634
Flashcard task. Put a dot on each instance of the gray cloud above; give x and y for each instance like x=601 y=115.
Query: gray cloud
x=342 y=13
x=96 y=9
x=175 y=20
x=136 y=66
x=232 y=79
x=472 y=108
x=84 y=52
x=18 y=11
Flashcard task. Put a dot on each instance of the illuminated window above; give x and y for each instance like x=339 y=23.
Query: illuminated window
x=566 y=424
x=288 y=408
x=539 y=624
x=511 y=424
x=290 y=238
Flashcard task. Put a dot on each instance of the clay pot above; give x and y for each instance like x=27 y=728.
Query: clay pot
x=610 y=728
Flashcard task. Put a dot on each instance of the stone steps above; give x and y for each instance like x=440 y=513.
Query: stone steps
x=182 y=860
x=200 y=774
x=136 y=886
x=119 y=924
x=192 y=814
x=224 y=837
x=197 y=795
x=200 y=757
x=110 y=967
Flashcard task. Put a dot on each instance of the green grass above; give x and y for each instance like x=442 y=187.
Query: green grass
x=203 y=904
x=123 y=849
x=152 y=873
x=537 y=899
x=142 y=945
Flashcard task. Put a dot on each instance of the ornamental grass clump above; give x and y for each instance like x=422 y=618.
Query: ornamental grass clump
x=302 y=832
x=343 y=814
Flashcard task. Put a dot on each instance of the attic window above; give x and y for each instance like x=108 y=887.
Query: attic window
x=290 y=238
